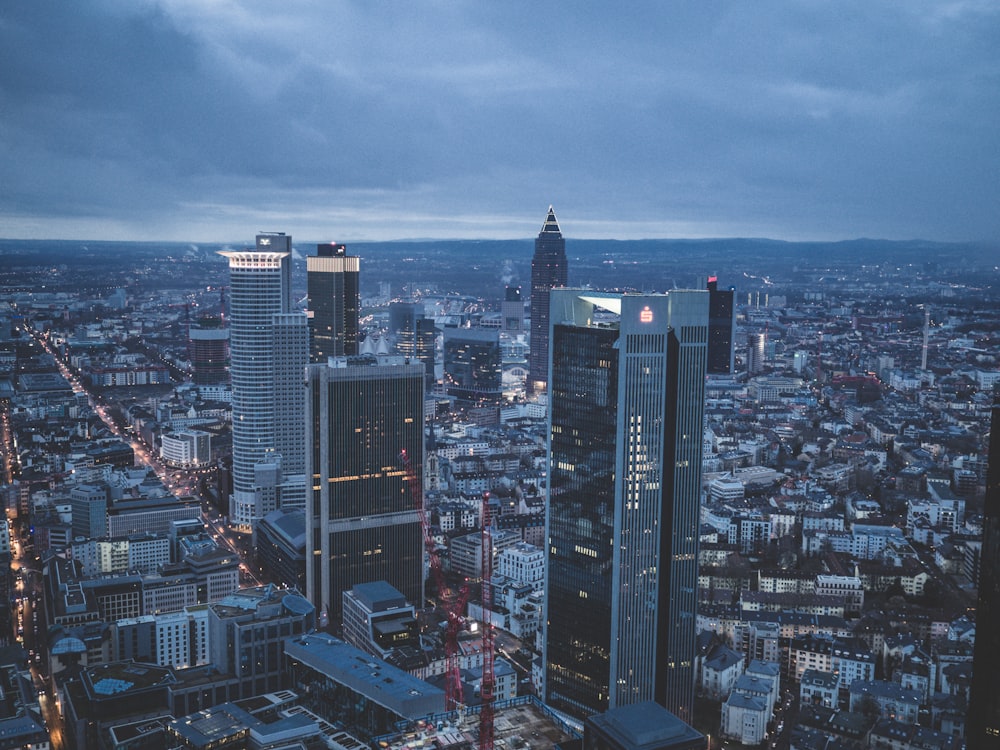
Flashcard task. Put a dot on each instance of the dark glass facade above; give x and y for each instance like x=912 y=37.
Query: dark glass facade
x=627 y=400
x=983 y=723
x=721 y=328
x=581 y=517
x=414 y=334
x=549 y=270
x=472 y=371
x=332 y=279
x=209 y=352
x=361 y=521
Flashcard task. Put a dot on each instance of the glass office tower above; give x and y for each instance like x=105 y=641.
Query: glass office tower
x=362 y=523
x=625 y=443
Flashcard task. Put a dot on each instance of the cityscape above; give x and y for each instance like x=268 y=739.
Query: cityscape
x=500 y=493
x=451 y=375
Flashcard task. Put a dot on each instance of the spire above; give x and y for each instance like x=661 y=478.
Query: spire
x=551 y=226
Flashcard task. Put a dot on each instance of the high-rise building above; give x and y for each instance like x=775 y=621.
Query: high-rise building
x=473 y=372
x=333 y=302
x=291 y=354
x=721 y=328
x=89 y=506
x=512 y=310
x=625 y=447
x=209 y=352
x=548 y=271
x=414 y=334
x=982 y=728
x=756 y=344
x=259 y=288
x=365 y=452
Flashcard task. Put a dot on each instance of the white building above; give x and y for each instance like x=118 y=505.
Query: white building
x=744 y=719
x=186 y=449
x=524 y=563
x=719 y=671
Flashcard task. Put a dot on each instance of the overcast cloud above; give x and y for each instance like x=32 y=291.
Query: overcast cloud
x=208 y=120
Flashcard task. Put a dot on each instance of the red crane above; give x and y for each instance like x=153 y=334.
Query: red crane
x=486 y=688
x=451 y=602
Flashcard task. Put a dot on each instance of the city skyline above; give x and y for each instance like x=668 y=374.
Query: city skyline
x=193 y=121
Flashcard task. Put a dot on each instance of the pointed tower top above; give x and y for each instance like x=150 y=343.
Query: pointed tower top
x=551 y=226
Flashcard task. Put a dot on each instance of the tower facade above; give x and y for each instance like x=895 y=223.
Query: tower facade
x=332 y=286
x=473 y=371
x=291 y=354
x=548 y=271
x=982 y=729
x=756 y=343
x=259 y=284
x=414 y=334
x=625 y=444
x=361 y=521
x=209 y=352
x=721 y=328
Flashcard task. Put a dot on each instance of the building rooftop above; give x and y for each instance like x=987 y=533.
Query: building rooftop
x=116 y=678
x=392 y=688
x=643 y=726
x=378 y=596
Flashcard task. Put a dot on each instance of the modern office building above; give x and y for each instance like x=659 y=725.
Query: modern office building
x=472 y=372
x=89 y=507
x=291 y=354
x=332 y=282
x=721 y=328
x=549 y=270
x=280 y=543
x=625 y=450
x=983 y=723
x=414 y=334
x=378 y=619
x=756 y=343
x=247 y=631
x=209 y=352
x=259 y=289
x=365 y=448
x=187 y=449
x=512 y=310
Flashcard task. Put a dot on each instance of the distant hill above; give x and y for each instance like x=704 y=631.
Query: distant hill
x=484 y=267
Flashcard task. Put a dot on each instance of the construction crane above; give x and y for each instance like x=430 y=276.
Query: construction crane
x=486 y=687
x=451 y=602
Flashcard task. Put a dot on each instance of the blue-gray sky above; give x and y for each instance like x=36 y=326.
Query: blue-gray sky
x=211 y=119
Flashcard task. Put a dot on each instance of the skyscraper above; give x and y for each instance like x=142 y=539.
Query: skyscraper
x=548 y=271
x=982 y=728
x=721 y=328
x=209 y=352
x=333 y=302
x=473 y=372
x=259 y=284
x=362 y=523
x=291 y=353
x=625 y=444
x=414 y=334
x=756 y=342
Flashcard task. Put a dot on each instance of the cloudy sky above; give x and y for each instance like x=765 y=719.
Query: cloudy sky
x=208 y=120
